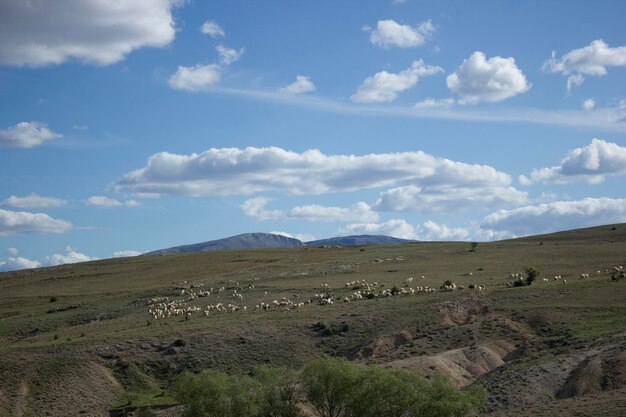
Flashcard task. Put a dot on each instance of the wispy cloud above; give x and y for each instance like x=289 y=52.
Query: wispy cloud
x=609 y=119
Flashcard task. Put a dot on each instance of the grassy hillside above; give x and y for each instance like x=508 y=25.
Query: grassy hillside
x=79 y=339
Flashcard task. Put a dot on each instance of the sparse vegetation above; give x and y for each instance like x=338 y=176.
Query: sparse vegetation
x=124 y=361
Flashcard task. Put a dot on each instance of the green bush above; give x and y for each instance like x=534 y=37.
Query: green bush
x=279 y=391
x=531 y=274
x=329 y=385
x=334 y=387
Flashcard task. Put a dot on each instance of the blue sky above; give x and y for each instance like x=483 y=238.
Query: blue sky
x=159 y=123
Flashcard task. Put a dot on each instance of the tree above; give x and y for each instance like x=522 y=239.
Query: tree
x=278 y=391
x=329 y=384
x=531 y=274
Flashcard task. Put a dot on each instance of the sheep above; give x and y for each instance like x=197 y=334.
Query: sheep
x=546 y=280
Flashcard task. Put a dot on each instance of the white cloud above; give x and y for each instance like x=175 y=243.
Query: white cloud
x=40 y=32
x=555 y=216
x=22 y=222
x=391 y=33
x=438 y=199
x=428 y=231
x=359 y=212
x=32 y=201
x=70 y=256
x=384 y=86
x=203 y=77
x=212 y=29
x=431 y=103
x=303 y=84
x=26 y=135
x=399 y=1
x=589 y=60
x=234 y=171
x=480 y=79
x=574 y=80
x=395 y=228
x=196 y=78
x=591 y=164
x=255 y=207
x=11 y=251
x=12 y=264
x=302 y=237
x=227 y=56
x=101 y=201
x=589 y=104
x=126 y=253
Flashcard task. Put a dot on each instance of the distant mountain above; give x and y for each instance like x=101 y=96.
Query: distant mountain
x=358 y=240
x=244 y=241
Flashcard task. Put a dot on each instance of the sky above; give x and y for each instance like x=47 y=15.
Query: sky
x=127 y=127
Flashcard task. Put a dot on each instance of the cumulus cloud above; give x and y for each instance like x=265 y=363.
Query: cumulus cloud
x=399 y=228
x=212 y=29
x=202 y=77
x=126 y=253
x=385 y=86
x=303 y=84
x=15 y=263
x=101 y=201
x=69 y=256
x=481 y=79
x=40 y=32
x=11 y=251
x=26 y=135
x=555 y=216
x=445 y=198
x=22 y=222
x=227 y=56
x=32 y=201
x=431 y=103
x=195 y=78
x=427 y=231
x=592 y=59
x=234 y=171
x=303 y=237
x=359 y=212
x=591 y=164
x=589 y=104
x=391 y=33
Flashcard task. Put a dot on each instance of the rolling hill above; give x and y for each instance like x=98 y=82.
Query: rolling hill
x=80 y=339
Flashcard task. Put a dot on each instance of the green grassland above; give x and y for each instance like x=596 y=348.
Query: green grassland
x=96 y=348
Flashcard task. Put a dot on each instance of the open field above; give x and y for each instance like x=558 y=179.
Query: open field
x=555 y=348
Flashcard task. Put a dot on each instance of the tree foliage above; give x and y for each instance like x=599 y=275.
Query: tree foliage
x=333 y=387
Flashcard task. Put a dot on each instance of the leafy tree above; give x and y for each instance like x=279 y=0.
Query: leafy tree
x=444 y=400
x=204 y=394
x=278 y=391
x=386 y=392
x=329 y=384
x=531 y=274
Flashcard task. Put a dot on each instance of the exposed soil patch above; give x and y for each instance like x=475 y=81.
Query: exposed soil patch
x=461 y=311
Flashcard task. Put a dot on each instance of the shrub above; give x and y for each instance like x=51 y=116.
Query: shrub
x=531 y=274
x=179 y=343
x=279 y=390
x=53 y=299
x=329 y=385
x=332 y=328
x=473 y=245
x=395 y=290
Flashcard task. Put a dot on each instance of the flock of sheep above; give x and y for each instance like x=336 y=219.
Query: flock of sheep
x=163 y=307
